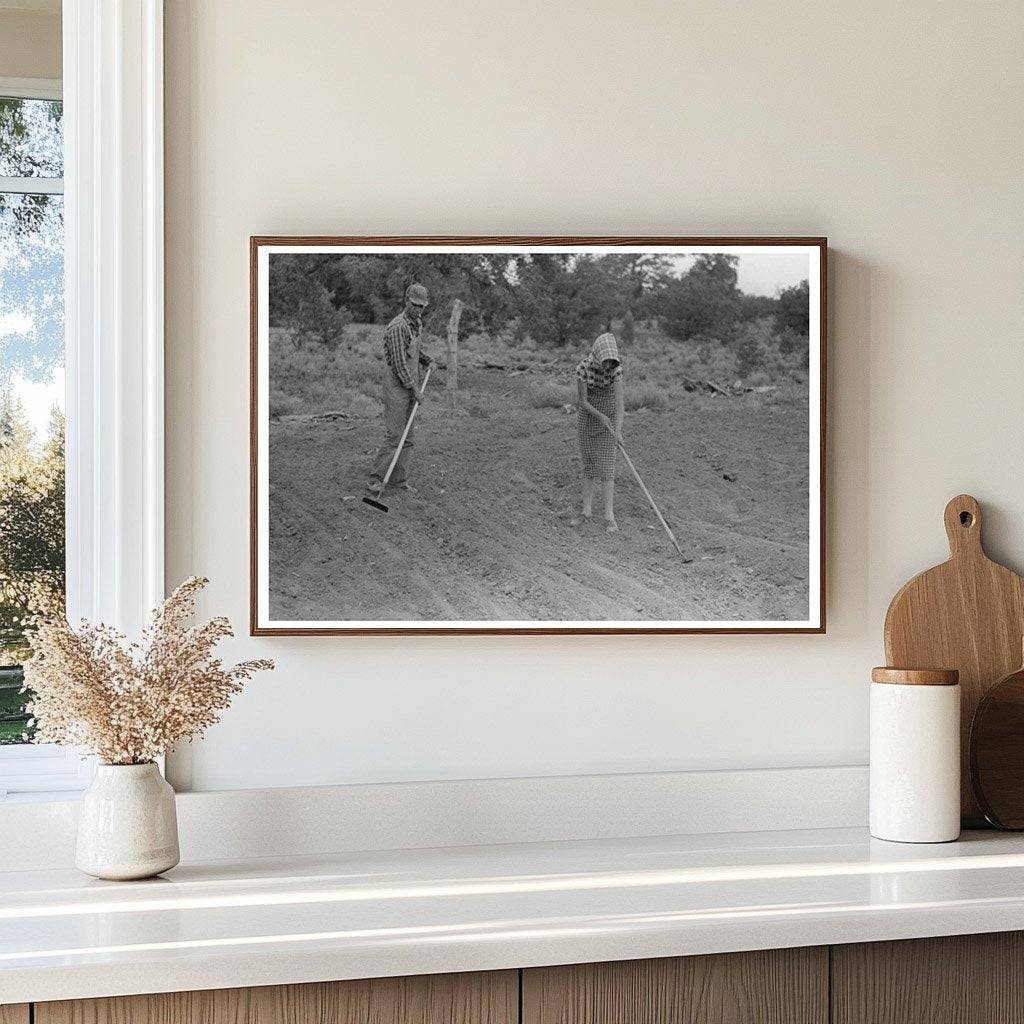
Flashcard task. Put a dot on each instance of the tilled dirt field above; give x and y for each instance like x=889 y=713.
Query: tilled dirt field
x=487 y=535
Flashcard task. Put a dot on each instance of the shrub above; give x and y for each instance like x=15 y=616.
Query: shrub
x=315 y=378
x=300 y=302
x=645 y=396
x=753 y=341
x=750 y=357
x=705 y=300
x=796 y=345
x=559 y=297
x=355 y=403
x=628 y=329
x=720 y=364
x=549 y=396
x=794 y=309
x=283 y=405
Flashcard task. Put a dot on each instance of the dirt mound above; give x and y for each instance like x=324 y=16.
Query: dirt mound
x=487 y=534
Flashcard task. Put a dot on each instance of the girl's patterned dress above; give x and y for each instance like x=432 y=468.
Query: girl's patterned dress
x=597 y=445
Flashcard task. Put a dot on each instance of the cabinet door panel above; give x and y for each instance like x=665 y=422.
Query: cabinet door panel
x=960 y=979
x=778 y=986
x=481 y=998
x=14 y=1013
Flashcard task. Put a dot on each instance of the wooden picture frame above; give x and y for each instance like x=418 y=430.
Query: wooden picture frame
x=262 y=623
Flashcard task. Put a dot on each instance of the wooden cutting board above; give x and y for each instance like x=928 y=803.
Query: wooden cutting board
x=997 y=752
x=967 y=614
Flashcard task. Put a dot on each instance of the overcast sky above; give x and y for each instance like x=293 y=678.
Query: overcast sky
x=764 y=273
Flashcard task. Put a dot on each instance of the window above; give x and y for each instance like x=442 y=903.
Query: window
x=108 y=206
x=32 y=549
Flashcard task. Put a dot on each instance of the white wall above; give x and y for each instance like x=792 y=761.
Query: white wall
x=895 y=129
x=30 y=39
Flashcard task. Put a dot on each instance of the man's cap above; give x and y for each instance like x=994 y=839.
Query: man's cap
x=417 y=291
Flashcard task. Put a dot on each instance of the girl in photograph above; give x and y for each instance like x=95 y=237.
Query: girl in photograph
x=600 y=407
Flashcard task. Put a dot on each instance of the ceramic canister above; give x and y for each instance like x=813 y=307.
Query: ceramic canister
x=915 y=755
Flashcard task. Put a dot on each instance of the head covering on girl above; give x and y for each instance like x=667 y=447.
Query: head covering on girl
x=592 y=368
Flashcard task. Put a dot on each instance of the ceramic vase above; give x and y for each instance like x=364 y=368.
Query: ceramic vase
x=127 y=825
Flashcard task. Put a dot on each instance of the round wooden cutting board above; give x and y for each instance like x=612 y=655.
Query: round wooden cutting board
x=997 y=752
x=967 y=614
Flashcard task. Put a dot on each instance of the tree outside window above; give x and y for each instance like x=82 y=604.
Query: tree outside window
x=31 y=387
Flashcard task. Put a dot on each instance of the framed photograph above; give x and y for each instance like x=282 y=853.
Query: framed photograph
x=537 y=435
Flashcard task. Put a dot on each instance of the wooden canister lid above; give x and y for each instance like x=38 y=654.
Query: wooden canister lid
x=916 y=676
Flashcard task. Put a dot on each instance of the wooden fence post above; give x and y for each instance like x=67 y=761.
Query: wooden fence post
x=453 y=355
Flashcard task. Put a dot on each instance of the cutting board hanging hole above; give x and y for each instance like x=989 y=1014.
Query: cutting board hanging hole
x=963 y=526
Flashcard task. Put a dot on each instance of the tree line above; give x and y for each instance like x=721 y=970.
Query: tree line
x=556 y=299
x=32 y=547
x=31 y=524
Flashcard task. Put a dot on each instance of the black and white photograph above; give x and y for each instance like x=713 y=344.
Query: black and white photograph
x=537 y=435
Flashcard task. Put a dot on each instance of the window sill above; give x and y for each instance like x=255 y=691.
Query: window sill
x=44 y=771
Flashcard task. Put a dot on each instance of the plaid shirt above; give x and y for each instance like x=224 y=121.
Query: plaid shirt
x=398 y=343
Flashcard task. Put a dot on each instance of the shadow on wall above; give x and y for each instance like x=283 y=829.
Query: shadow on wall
x=854 y=286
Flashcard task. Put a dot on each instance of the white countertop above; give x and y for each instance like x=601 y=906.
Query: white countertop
x=261 y=922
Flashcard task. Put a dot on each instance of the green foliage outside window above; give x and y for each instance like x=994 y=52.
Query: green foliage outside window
x=32 y=552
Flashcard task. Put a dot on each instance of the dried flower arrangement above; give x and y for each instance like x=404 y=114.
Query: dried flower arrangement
x=129 y=703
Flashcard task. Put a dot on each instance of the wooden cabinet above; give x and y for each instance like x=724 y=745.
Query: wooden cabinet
x=777 y=986
x=962 y=979
x=490 y=998
x=970 y=979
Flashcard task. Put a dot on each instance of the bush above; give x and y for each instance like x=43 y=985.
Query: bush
x=645 y=396
x=309 y=377
x=627 y=332
x=705 y=300
x=283 y=405
x=300 y=303
x=753 y=342
x=355 y=403
x=750 y=357
x=720 y=364
x=796 y=345
x=765 y=355
x=794 y=309
x=549 y=396
x=559 y=298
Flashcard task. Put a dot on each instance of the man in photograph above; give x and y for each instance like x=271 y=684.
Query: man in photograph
x=403 y=358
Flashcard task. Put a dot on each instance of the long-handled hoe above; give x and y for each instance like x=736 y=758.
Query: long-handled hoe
x=398 y=451
x=647 y=494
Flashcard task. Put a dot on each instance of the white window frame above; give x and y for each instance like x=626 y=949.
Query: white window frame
x=114 y=325
x=32 y=88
